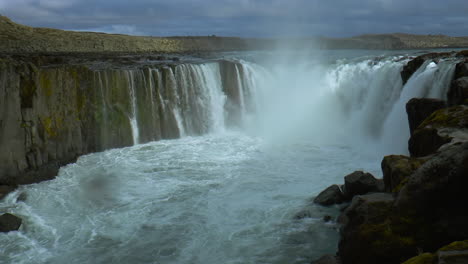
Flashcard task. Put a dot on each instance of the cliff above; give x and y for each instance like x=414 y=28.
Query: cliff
x=56 y=108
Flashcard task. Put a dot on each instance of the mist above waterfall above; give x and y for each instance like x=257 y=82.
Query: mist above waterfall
x=359 y=101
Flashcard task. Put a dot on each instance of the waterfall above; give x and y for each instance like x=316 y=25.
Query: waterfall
x=133 y=116
x=360 y=101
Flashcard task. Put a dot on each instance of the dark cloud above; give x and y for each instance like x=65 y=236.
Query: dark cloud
x=245 y=17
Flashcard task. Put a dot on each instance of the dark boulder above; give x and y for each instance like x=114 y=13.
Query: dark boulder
x=411 y=68
x=461 y=70
x=419 y=109
x=413 y=65
x=436 y=193
x=425 y=142
x=331 y=195
x=9 y=222
x=397 y=169
x=443 y=126
x=327 y=259
x=370 y=235
x=458 y=92
x=5 y=190
x=439 y=186
x=358 y=183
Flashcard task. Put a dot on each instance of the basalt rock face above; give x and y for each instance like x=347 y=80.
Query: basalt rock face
x=397 y=169
x=443 y=126
x=413 y=65
x=419 y=109
x=458 y=92
x=55 y=108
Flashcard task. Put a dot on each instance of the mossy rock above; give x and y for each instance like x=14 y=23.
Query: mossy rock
x=426 y=258
x=437 y=130
x=456 y=246
x=429 y=258
x=397 y=169
x=454 y=117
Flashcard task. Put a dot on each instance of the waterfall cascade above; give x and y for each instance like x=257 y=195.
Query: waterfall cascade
x=355 y=101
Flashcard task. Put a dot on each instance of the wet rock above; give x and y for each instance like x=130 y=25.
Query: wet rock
x=453 y=257
x=9 y=222
x=458 y=92
x=455 y=253
x=305 y=213
x=327 y=218
x=461 y=70
x=22 y=197
x=419 y=109
x=436 y=191
x=413 y=65
x=370 y=235
x=5 y=190
x=331 y=195
x=397 y=169
x=327 y=259
x=443 y=126
x=411 y=68
x=358 y=183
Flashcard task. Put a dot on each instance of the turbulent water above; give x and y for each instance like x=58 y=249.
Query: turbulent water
x=249 y=159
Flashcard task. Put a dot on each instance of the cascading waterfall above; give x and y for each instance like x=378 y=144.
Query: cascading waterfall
x=217 y=194
x=355 y=101
x=133 y=116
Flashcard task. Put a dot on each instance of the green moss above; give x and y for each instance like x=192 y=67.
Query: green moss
x=459 y=245
x=452 y=117
x=385 y=235
x=425 y=258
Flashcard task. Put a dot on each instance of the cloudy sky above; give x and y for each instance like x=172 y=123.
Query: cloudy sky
x=246 y=18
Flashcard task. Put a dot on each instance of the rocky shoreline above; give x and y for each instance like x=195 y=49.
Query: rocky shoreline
x=418 y=214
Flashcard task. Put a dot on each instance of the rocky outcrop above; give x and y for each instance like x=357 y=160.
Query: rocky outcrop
x=455 y=253
x=5 y=190
x=359 y=182
x=418 y=109
x=397 y=169
x=413 y=65
x=331 y=195
x=426 y=213
x=442 y=127
x=420 y=209
x=356 y=183
x=9 y=222
x=370 y=235
x=458 y=92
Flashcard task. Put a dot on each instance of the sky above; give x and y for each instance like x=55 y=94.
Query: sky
x=244 y=18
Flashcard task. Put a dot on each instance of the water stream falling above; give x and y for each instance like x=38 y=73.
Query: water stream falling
x=256 y=142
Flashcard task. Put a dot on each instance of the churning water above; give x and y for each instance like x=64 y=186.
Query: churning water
x=229 y=196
